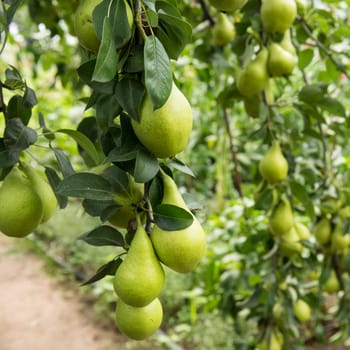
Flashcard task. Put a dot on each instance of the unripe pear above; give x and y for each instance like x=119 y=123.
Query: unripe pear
x=322 y=231
x=281 y=62
x=273 y=166
x=287 y=44
x=84 y=27
x=180 y=250
x=21 y=209
x=274 y=342
x=289 y=245
x=302 y=231
x=277 y=15
x=332 y=285
x=139 y=322
x=339 y=241
x=44 y=190
x=253 y=78
x=228 y=5
x=165 y=131
x=281 y=219
x=223 y=30
x=140 y=277
x=302 y=310
x=126 y=202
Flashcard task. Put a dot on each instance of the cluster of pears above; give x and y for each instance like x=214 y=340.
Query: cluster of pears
x=273 y=167
x=139 y=279
x=26 y=201
x=278 y=58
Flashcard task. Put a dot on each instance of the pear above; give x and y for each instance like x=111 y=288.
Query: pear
x=281 y=219
x=287 y=44
x=165 y=131
x=302 y=231
x=281 y=62
x=139 y=322
x=289 y=245
x=223 y=30
x=277 y=15
x=140 y=277
x=228 y=5
x=332 y=284
x=21 y=209
x=180 y=250
x=273 y=166
x=253 y=78
x=44 y=190
x=339 y=241
x=273 y=342
x=302 y=310
x=322 y=231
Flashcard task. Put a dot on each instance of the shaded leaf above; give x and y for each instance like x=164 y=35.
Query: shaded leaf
x=171 y=217
x=103 y=235
x=146 y=166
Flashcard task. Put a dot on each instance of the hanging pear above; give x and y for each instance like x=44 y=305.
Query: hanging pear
x=140 y=277
x=273 y=166
x=287 y=44
x=281 y=62
x=302 y=231
x=44 y=190
x=21 y=209
x=253 y=78
x=277 y=15
x=223 y=30
x=290 y=245
x=180 y=250
x=322 y=231
x=281 y=219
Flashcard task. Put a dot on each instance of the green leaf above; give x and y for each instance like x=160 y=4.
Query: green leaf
x=158 y=76
x=86 y=185
x=18 y=136
x=300 y=192
x=63 y=162
x=313 y=93
x=146 y=166
x=84 y=142
x=179 y=165
x=120 y=23
x=17 y=109
x=118 y=178
x=103 y=235
x=96 y=207
x=54 y=181
x=332 y=106
x=304 y=58
x=29 y=98
x=129 y=93
x=107 y=108
x=106 y=65
x=172 y=218
x=108 y=269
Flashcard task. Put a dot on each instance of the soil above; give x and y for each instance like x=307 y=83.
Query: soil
x=37 y=314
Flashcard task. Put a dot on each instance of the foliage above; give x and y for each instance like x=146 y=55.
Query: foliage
x=246 y=271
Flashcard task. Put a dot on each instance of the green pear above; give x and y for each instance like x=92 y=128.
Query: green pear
x=287 y=44
x=180 y=250
x=281 y=219
x=302 y=310
x=273 y=342
x=281 y=62
x=139 y=322
x=252 y=79
x=223 y=30
x=332 y=284
x=21 y=209
x=322 y=231
x=228 y=5
x=302 y=231
x=273 y=167
x=277 y=15
x=289 y=245
x=165 y=131
x=339 y=241
x=44 y=190
x=140 y=277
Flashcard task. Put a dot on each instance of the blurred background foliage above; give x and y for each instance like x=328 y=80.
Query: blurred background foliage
x=227 y=302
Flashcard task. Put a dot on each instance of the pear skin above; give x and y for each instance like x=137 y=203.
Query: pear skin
x=281 y=62
x=223 y=30
x=322 y=231
x=21 y=209
x=281 y=219
x=180 y=250
x=140 y=277
x=273 y=166
x=253 y=78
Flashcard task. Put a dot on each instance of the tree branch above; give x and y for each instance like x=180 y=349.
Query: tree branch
x=206 y=12
x=237 y=177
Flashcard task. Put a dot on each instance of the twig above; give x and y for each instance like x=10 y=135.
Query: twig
x=308 y=32
x=2 y=101
x=237 y=177
x=206 y=12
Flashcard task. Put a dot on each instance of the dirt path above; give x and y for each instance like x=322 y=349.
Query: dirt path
x=36 y=314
